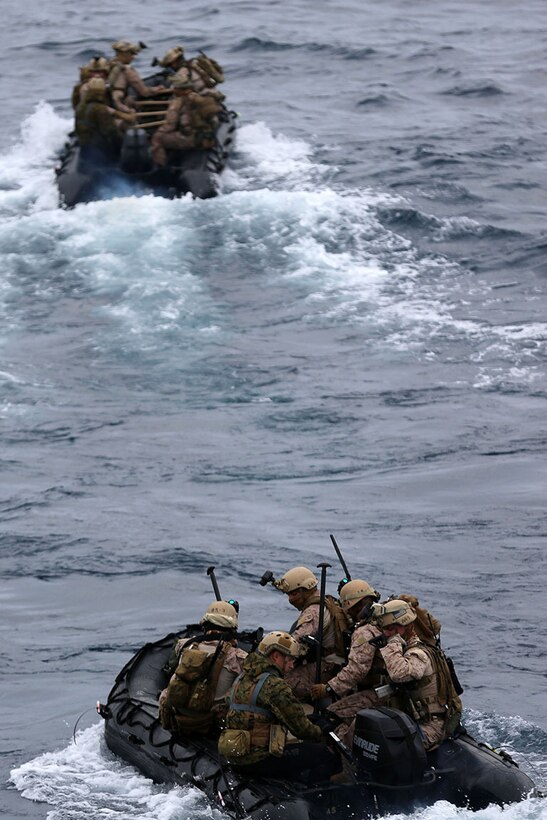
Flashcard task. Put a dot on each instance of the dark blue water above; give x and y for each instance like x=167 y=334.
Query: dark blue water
x=350 y=339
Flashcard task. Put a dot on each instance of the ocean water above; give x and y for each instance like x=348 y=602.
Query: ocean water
x=351 y=338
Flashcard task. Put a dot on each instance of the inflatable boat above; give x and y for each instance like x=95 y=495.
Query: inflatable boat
x=85 y=178
x=387 y=769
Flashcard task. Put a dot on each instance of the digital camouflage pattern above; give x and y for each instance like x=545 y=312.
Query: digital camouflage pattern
x=410 y=663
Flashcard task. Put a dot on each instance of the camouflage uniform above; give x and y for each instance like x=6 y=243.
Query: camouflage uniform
x=310 y=761
x=121 y=79
x=302 y=678
x=409 y=663
x=354 y=684
x=177 y=132
x=95 y=125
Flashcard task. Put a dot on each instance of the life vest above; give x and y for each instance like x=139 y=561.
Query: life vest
x=187 y=705
x=257 y=727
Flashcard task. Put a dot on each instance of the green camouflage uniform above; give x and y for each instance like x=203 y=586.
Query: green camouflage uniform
x=275 y=695
x=95 y=124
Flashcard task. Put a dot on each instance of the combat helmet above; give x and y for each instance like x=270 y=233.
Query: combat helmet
x=280 y=641
x=171 y=56
x=355 y=591
x=126 y=46
x=394 y=612
x=297 y=578
x=220 y=613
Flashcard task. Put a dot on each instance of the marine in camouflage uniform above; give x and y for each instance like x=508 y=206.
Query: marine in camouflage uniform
x=408 y=663
x=95 y=124
x=123 y=77
x=178 y=131
x=300 y=586
x=353 y=687
x=262 y=708
x=219 y=624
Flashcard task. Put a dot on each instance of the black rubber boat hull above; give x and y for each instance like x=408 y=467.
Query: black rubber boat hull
x=195 y=172
x=463 y=771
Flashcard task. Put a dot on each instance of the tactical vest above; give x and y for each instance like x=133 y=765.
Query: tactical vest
x=377 y=674
x=257 y=727
x=426 y=698
x=190 y=694
x=338 y=622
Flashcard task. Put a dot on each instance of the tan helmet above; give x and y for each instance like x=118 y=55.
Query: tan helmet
x=96 y=87
x=354 y=591
x=282 y=642
x=394 y=612
x=125 y=45
x=171 y=56
x=181 y=79
x=98 y=64
x=220 y=613
x=297 y=578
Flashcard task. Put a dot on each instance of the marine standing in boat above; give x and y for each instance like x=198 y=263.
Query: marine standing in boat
x=262 y=709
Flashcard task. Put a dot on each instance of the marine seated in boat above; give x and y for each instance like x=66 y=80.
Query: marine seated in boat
x=97 y=125
x=125 y=81
x=262 y=710
x=203 y=668
x=96 y=67
x=190 y=121
x=204 y=72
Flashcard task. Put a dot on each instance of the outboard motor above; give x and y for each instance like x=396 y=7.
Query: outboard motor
x=388 y=749
x=135 y=154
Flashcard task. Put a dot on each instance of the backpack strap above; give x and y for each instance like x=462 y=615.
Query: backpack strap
x=251 y=705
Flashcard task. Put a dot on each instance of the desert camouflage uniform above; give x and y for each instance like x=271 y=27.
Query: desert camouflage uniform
x=302 y=678
x=407 y=663
x=121 y=79
x=354 y=684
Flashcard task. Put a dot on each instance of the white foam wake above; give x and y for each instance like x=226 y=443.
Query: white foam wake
x=85 y=780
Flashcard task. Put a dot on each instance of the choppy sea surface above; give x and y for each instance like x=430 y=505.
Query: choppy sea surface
x=351 y=338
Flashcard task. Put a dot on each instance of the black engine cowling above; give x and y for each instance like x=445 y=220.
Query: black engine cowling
x=135 y=153
x=388 y=749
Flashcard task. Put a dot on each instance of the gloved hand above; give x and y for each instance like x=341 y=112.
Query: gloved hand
x=318 y=691
x=378 y=642
x=326 y=724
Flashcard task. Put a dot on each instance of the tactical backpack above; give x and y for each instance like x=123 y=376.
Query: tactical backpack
x=210 y=67
x=339 y=620
x=187 y=706
x=202 y=113
x=428 y=630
